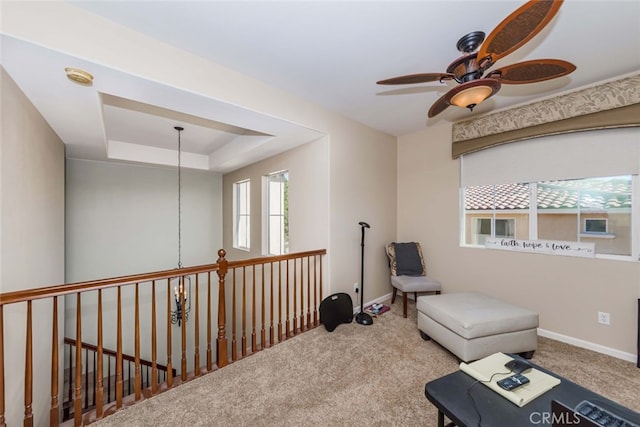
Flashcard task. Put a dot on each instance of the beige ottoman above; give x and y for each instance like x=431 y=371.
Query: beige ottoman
x=474 y=325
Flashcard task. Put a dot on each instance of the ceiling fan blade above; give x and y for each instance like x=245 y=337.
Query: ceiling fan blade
x=536 y=70
x=416 y=78
x=439 y=106
x=518 y=28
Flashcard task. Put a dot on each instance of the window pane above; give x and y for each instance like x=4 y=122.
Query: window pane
x=278 y=213
x=594 y=210
x=592 y=225
x=484 y=226
x=511 y=203
x=241 y=214
x=505 y=228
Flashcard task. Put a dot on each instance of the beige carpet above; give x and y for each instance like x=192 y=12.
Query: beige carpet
x=367 y=375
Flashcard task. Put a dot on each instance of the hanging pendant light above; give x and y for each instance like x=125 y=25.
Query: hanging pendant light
x=181 y=284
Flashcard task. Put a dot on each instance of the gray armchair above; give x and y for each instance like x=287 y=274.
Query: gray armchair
x=408 y=272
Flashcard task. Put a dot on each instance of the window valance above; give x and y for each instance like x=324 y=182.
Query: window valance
x=609 y=105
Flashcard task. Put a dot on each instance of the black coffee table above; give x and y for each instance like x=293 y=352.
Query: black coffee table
x=468 y=403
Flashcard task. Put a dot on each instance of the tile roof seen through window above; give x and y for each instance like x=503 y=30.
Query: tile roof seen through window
x=594 y=193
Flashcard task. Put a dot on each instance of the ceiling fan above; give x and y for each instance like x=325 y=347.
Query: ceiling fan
x=471 y=70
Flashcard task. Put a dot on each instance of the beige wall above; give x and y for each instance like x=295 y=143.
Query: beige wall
x=567 y=292
x=32 y=242
x=335 y=182
x=308 y=199
x=363 y=172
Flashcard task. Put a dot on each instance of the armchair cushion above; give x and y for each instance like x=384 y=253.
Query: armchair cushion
x=415 y=284
x=405 y=259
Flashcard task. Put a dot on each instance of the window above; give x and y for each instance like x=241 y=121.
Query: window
x=597 y=210
x=505 y=228
x=277 y=213
x=242 y=215
x=494 y=211
x=595 y=225
x=574 y=187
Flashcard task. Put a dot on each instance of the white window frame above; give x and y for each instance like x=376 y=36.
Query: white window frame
x=239 y=215
x=280 y=214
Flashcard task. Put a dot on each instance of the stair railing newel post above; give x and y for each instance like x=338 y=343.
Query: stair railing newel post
x=221 y=341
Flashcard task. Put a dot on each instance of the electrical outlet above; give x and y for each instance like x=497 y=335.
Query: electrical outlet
x=604 y=318
x=355 y=287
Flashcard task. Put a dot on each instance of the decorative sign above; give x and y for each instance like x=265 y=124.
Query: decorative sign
x=554 y=247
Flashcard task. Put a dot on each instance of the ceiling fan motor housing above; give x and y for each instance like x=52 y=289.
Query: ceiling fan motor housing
x=466 y=68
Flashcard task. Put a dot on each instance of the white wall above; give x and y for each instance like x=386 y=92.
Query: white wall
x=567 y=292
x=32 y=242
x=122 y=219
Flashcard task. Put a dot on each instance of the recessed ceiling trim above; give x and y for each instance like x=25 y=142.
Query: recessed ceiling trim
x=141 y=107
x=241 y=145
x=119 y=150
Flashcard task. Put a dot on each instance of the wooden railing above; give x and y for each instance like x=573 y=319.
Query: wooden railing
x=89 y=376
x=271 y=299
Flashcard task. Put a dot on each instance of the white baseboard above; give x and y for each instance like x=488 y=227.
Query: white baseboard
x=588 y=345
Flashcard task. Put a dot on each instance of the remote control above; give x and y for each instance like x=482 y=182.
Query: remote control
x=513 y=382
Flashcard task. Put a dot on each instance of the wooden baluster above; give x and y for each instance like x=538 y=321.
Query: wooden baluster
x=109 y=400
x=70 y=388
x=119 y=384
x=209 y=356
x=279 y=301
x=138 y=373
x=86 y=379
x=315 y=291
x=2 y=400
x=196 y=325
x=128 y=377
x=221 y=351
x=183 y=329
x=28 y=371
x=301 y=294
x=169 y=365
x=234 y=343
x=154 y=341
x=288 y=314
x=94 y=379
x=99 y=385
x=320 y=293
x=243 y=342
x=254 y=344
x=54 y=412
x=263 y=334
x=295 y=297
x=308 y=292
x=77 y=402
x=271 y=331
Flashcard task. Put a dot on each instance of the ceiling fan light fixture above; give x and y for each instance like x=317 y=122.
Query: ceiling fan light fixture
x=470 y=94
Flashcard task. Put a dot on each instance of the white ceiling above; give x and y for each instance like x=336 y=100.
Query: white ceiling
x=328 y=52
